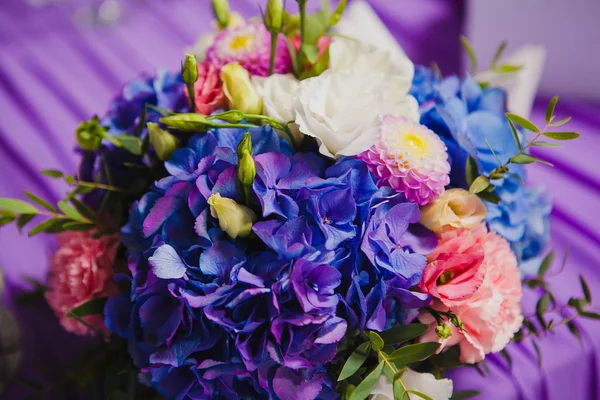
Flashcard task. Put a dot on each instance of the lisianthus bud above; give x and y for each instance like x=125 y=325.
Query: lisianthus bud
x=274 y=16
x=162 y=141
x=90 y=134
x=189 y=70
x=443 y=331
x=232 y=116
x=456 y=208
x=221 y=11
x=234 y=219
x=246 y=170
x=241 y=94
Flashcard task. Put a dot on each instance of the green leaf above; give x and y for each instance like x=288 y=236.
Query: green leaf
x=23 y=220
x=589 y=314
x=364 y=389
x=52 y=173
x=562 y=135
x=507 y=68
x=50 y=225
x=586 y=290
x=523 y=159
x=515 y=134
x=311 y=51
x=479 y=184
x=337 y=13
x=537 y=352
x=68 y=210
x=550 y=109
x=546 y=264
x=40 y=201
x=130 y=143
x=470 y=52
x=472 y=172
x=69 y=179
x=507 y=357
x=6 y=217
x=421 y=395
x=376 y=341
x=561 y=122
x=523 y=122
x=574 y=330
x=401 y=334
x=414 y=352
x=92 y=307
x=76 y=226
x=355 y=361
x=542 y=304
x=17 y=206
x=399 y=392
x=498 y=53
x=83 y=209
x=465 y=394
x=545 y=144
x=489 y=197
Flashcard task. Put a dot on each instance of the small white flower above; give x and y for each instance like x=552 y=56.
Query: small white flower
x=343 y=109
x=437 y=389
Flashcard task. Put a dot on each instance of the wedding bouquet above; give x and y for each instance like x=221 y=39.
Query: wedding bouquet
x=299 y=215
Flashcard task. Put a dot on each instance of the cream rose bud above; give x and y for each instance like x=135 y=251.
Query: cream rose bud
x=234 y=219
x=457 y=208
x=239 y=91
x=343 y=109
x=436 y=389
x=277 y=93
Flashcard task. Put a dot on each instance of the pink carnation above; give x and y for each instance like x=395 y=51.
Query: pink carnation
x=208 y=89
x=81 y=270
x=250 y=46
x=492 y=314
x=410 y=158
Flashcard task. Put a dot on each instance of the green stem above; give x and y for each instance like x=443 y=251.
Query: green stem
x=190 y=90
x=273 y=52
x=302 y=4
x=99 y=186
x=392 y=368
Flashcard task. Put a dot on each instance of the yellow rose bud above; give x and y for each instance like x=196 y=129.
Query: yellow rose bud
x=241 y=94
x=235 y=219
x=456 y=208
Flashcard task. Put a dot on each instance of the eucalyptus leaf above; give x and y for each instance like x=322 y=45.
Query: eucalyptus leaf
x=537 y=352
x=470 y=52
x=489 y=197
x=414 y=352
x=419 y=394
x=68 y=210
x=404 y=333
x=76 y=226
x=523 y=159
x=562 y=135
x=546 y=263
x=586 y=290
x=23 y=220
x=41 y=202
x=364 y=389
x=399 y=392
x=589 y=314
x=51 y=225
x=355 y=361
x=542 y=304
x=574 y=329
x=130 y=143
x=376 y=341
x=507 y=68
x=465 y=394
x=52 y=173
x=515 y=134
x=499 y=52
x=561 y=122
x=472 y=171
x=7 y=218
x=92 y=307
x=523 y=122
x=550 y=109
x=507 y=357
x=83 y=209
x=479 y=184
x=17 y=206
x=544 y=144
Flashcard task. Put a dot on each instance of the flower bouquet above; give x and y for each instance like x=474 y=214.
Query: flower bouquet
x=298 y=215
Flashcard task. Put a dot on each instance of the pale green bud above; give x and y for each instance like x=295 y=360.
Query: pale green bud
x=163 y=142
x=443 y=331
x=189 y=70
x=240 y=93
x=234 y=219
x=231 y=116
x=90 y=133
x=221 y=11
x=274 y=16
x=246 y=169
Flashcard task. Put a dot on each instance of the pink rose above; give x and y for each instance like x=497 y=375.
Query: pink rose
x=455 y=270
x=81 y=270
x=208 y=89
x=492 y=314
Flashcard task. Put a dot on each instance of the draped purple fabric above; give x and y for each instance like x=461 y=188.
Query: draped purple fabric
x=53 y=74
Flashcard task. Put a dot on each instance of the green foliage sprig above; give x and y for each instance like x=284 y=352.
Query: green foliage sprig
x=482 y=184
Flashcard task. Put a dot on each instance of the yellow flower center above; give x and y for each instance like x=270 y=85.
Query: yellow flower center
x=414 y=143
x=241 y=41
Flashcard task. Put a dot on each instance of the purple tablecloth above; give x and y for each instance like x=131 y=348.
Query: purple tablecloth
x=54 y=74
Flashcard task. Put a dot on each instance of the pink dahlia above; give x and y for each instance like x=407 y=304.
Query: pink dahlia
x=81 y=270
x=489 y=305
x=250 y=46
x=410 y=158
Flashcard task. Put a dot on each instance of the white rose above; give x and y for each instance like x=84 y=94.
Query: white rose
x=437 y=389
x=343 y=109
x=277 y=92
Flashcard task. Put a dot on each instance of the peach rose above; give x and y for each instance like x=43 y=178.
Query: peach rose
x=492 y=314
x=456 y=208
x=208 y=89
x=81 y=270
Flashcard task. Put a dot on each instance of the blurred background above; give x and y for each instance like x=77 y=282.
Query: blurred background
x=61 y=61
